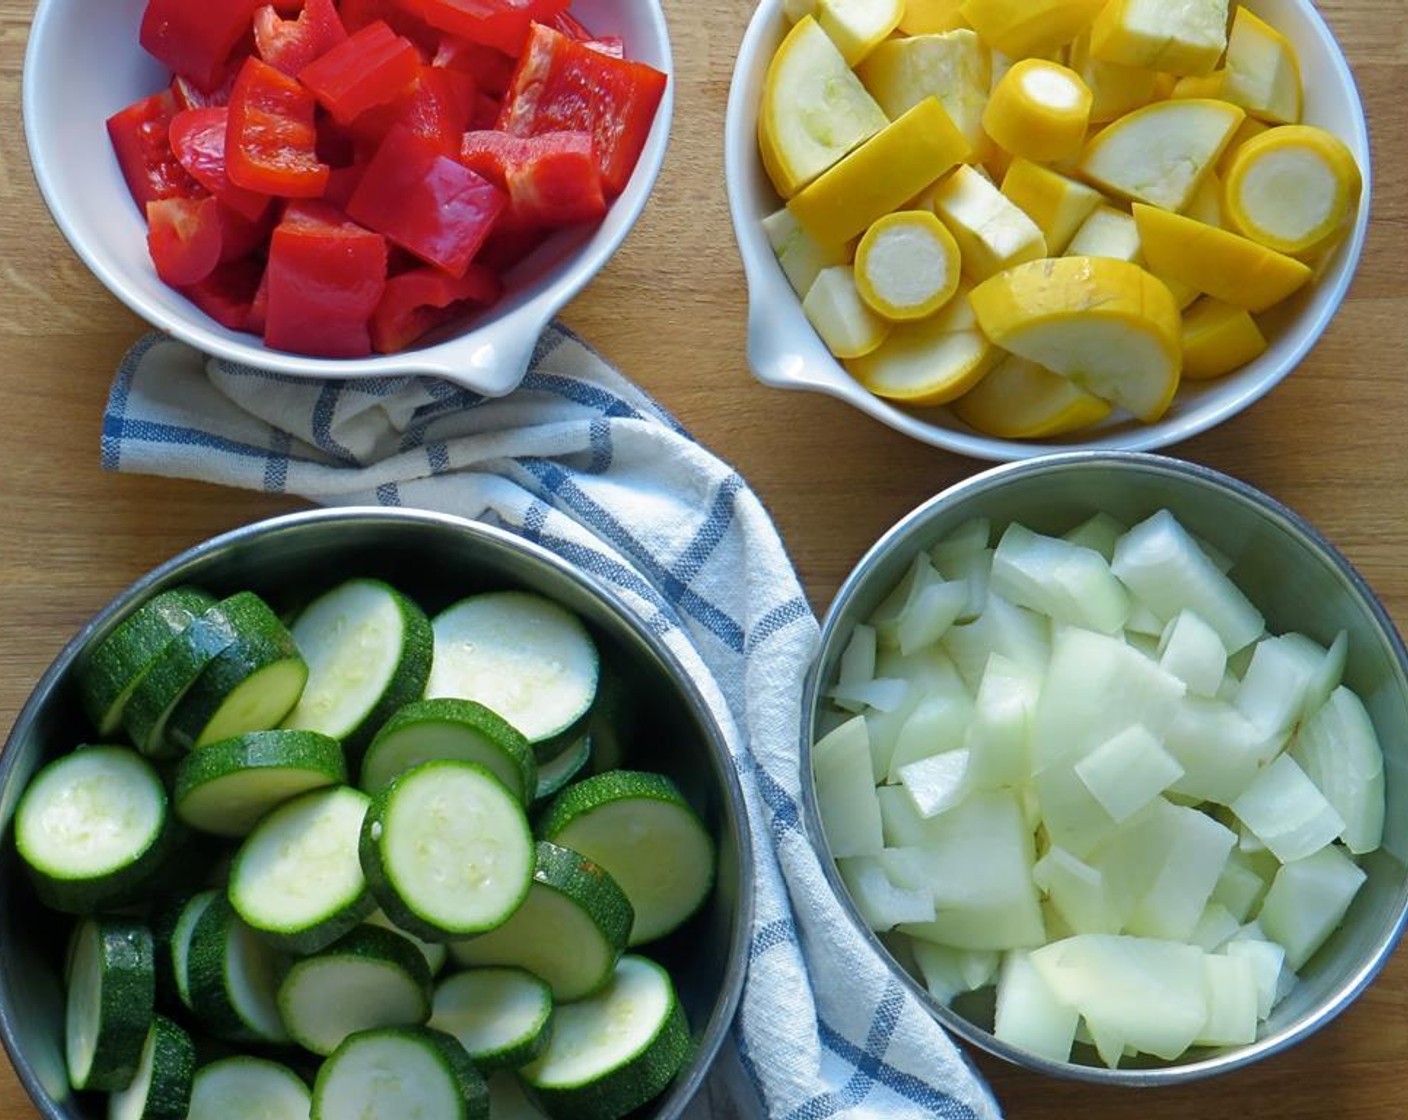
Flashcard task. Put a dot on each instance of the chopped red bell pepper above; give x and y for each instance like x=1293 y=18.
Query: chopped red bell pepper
x=613 y=45
x=227 y=294
x=371 y=67
x=342 y=183
x=486 y=113
x=552 y=179
x=357 y=14
x=291 y=44
x=141 y=140
x=565 y=85
x=570 y=26
x=271 y=143
x=497 y=23
x=241 y=236
x=189 y=96
x=198 y=139
x=437 y=107
x=258 y=317
x=426 y=202
x=491 y=69
x=422 y=299
x=326 y=277
x=183 y=237
x=196 y=39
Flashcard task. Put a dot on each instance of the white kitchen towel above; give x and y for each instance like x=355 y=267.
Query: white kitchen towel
x=584 y=463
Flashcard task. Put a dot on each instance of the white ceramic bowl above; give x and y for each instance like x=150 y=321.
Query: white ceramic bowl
x=785 y=352
x=84 y=63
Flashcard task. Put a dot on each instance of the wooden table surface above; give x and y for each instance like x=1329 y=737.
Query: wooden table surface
x=669 y=310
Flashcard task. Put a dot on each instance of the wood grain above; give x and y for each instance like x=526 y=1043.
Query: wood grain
x=669 y=309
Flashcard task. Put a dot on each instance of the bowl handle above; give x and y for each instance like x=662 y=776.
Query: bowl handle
x=493 y=360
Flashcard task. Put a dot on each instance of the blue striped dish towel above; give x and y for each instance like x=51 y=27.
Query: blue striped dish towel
x=582 y=462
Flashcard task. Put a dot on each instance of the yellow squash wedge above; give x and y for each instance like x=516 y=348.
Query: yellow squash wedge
x=801 y=258
x=1114 y=89
x=1107 y=232
x=814 y=109
x=1182 y=37
x=930 y=361
x=1039 y=111
x=1218 y=338
x=834 y=308
x=881 y=175
x=1293 y=189
x=1261 y=73
x=1018 y=399
x=1159 y=154
x=954 y=66
x=931 y=17
x=857 y=26
x=992 y=233
x=1021 y=28
x=1106 y=324
x=1057 y=204
x=1217 y=262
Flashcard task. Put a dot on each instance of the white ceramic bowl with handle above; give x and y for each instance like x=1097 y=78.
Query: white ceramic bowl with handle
x=84 y=63
x=786 y=353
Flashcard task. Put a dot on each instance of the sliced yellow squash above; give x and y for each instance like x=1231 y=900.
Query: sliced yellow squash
x=857 y=26
x=955 y=67
x=1020 y=28
x=1057 y=204
x=1293 y=189
x=834 y=308
x=907 y=265
x=1218 y=338
x=931 y=17
x=1114 y=89
x=814 y=109
x=1018 y=399
x=879 y=176
x=1107 y=232
x=930 y=361
x=1217 y=262
x=991 y=231
x=801 y=258
x=1187 y=37
x=1262 y=73
x=1039 y=110
x=1106 y=324
x=1160 y=153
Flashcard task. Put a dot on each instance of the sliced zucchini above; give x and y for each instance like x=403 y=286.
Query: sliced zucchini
x=522 y=656
x=400 y=1073
x=369 y=978
x=226 y=787
x=508 y=1101
x=557 y=771
x=161 y=1087
x=230 y=972
x=640 y=828
x=297 y=877
x=431 y=730
x=176 y=668
x=250 y=685
x=615 y=1051
x=112 y=669
x=447 y=850
x=244 y=1088
x=92 y=828
x=368 y=649
x=111 y=996
x=434 y=952
x=570 y=930
x=501 y=1016
x=180 y=942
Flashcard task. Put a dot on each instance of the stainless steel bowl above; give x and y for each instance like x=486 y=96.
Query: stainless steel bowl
x=1299 y=581
x=437 y=559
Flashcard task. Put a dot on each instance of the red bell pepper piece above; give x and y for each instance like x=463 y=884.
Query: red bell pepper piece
x=195 y=39
x=271 y=142
x=570 y=26
x=613 y=45
x=291 y=44
x=496 y=23
x=357 y=14
x=227 y=294
x=552 y=179
x=426 y=202
x=342 y=183
x=491 y=69
x=437 y=107
x=198 y=139
x=486 y=113
x=241 y=236
x=189 y=96
x=184 y=237
x=422 y=299
x=258 y=318
x=326 y=277
x=141 y=140
x=563 y=85
x=371 y=67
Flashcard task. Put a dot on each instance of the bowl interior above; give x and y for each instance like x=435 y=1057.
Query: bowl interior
x=436 y=560
x=1300 y=583
x=784 y=350
x=84 y=63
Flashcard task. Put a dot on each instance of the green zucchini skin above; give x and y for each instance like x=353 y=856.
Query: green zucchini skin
x=405 y=684
x=373 y=944
x=462 y=730
x=460 y=1072
x=261 y=641
x=465 y=1004
x=115 y=666
x=169 y=1065
x=309 y=753
x=556 y=772
x=120 y=955
x=217 y=937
